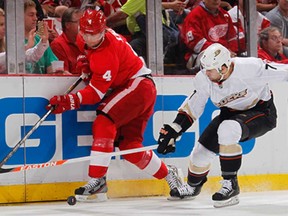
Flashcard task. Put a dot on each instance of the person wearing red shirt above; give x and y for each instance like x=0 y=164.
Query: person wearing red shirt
x=122 y=115
x=206 y=24
x=270 y=45
x=236 y=14
x=64 y=46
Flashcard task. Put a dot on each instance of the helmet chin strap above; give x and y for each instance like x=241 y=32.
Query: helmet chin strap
x=222 y=74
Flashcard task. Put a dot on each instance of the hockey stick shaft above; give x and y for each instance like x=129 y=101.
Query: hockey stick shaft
x=38 y=123
x=75 y=160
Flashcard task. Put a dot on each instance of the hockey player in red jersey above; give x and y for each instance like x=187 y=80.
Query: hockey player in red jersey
x=239 y=88
x=123 y=114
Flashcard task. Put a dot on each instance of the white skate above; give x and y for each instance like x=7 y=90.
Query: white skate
x=94 y=191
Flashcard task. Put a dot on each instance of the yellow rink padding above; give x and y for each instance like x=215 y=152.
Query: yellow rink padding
x=133 y=188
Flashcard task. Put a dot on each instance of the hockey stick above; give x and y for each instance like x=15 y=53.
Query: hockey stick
x=38 y=123
x=75 y=160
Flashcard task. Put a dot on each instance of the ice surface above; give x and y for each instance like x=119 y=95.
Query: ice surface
x=254 y=204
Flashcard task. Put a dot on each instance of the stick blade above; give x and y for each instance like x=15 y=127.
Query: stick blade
x=2 y=170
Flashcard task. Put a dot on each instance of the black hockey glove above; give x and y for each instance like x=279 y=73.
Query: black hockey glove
x=167 y=139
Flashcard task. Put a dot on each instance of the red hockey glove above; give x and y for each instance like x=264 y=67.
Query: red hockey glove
x=63 y=103
x=82 y=66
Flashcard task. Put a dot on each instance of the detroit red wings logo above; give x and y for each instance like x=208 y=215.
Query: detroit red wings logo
x=217 y=32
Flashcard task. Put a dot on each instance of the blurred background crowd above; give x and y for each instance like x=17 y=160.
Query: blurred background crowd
x=188 y=27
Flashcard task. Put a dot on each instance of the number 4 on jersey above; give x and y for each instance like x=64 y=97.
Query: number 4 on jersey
x=107 y=76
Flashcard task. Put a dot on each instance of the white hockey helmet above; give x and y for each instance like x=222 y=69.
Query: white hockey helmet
x=215 y=56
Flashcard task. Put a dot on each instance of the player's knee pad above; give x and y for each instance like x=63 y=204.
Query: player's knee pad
x=229 y=132
x=200 y=157
x=104 y=127
x=101 y=145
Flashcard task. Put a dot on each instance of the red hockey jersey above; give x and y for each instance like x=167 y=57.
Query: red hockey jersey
x=202 y=28
x=112 y=65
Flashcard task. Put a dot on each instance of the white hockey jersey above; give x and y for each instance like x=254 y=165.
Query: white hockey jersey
x=244 y=88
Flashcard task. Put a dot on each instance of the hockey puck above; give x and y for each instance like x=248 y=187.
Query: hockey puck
x=71 y=200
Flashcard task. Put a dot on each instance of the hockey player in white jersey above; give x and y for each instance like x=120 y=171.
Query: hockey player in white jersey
x=239 y=87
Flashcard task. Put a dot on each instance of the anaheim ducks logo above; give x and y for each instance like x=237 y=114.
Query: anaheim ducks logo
x=232 y=97
x=217 y=52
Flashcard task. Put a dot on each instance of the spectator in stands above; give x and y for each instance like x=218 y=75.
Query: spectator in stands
x=48 y=7
x=227 y=5
x=57 y=19
x=270 y=45
x=135 y=12
x=60 y=10
x=206 y=24
x=279 y=18
x=32 y=53
x=40 y=12
x=239 y=24
x=64 y=47
x=261 y=22
x=43 y=65
x=127 y=16
x=264 y=6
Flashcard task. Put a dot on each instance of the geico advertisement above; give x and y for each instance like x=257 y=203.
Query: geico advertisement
x=69 y=134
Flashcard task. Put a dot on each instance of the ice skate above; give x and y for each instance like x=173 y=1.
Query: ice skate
x=186 y=192
x=94 y=191
x=173 y=178
x=228 y=194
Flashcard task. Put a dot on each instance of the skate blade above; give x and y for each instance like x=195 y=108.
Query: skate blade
x=180 y=199
x=230 y=202
x=99 y=197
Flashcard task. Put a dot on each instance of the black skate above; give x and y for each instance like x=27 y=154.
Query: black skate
x=228 y=194
x=186 y=191
x=173 y=178
x=95 y=190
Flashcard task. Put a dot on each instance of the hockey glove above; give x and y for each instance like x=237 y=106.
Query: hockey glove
x=63 y=103
x=82 y=66
x=167 y=139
